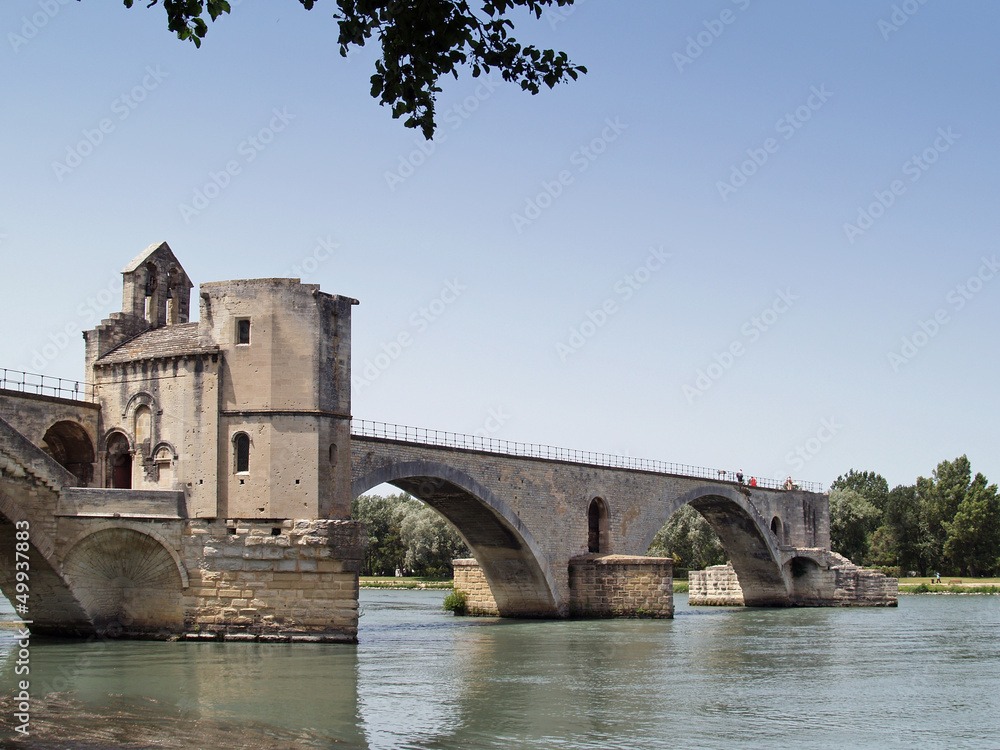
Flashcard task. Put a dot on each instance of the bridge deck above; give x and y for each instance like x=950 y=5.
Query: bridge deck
x=422 y=436
x=45 y=385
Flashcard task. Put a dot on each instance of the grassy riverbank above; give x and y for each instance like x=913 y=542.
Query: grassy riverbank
x=949 y=586
x=414 y=582
x=391 y=582
x=906 y=585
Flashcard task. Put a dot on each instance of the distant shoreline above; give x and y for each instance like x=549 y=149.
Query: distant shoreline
x=401 y=584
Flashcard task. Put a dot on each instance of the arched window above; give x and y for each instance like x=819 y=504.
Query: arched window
x=597 y=526
x=333 y=454
x=776 y=529
x=241 y=453
x=143 y=424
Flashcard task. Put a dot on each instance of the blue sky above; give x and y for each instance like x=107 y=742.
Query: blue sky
x=755 y=235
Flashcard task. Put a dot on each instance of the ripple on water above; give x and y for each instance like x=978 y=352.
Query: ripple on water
x=922 y=675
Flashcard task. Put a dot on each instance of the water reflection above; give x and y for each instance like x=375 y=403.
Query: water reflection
x=922 y=675
x=216 y=694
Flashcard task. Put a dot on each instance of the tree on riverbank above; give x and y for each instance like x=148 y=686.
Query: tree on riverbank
x=405 y=534
x=948 y=522
x=689 y=539
x=853 y=519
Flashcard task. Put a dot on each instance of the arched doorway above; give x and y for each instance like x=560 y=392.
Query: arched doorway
x=118 y=473
x=69 y=444
x=597 y=526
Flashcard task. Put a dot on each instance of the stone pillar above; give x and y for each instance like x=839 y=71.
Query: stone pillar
x=716 y=586
x=273 y=581
x=621 y=586
x=471 y=581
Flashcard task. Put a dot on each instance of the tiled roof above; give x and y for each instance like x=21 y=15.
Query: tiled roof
x=169 y=341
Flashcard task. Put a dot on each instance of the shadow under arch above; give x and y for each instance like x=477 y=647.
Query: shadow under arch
x=515 y=566
x=747 y=539
x=129 y=581
x=53 y=609
x=69 y=443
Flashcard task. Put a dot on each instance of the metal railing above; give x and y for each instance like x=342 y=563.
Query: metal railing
x=45 y=385
x=367 y=428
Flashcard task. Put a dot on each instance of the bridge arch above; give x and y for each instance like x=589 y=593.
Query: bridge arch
x=127 y=580
x=52 y=605
x=515 y=566
x=70 y=445
x=747 y=538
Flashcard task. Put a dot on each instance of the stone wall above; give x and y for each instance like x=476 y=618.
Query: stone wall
x=621 y=586
x=249 y=583
x=90 y=501
x=149 y=577
x=715 y=586
x=842 y=583
x=470 y=580
x=861 y=587
x=822 y=579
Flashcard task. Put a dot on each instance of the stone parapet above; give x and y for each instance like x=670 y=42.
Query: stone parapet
x=111 y=503
x=471 y=581
x=621 y=586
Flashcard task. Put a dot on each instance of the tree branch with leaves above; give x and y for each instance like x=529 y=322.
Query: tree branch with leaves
x=422 y=41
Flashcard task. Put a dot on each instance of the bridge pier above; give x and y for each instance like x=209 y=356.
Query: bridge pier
x=133 y=577
x=600 y=586
x=817 y=578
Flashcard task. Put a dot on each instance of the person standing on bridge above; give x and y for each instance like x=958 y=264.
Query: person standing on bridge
x=753 y=481
x=739 y=476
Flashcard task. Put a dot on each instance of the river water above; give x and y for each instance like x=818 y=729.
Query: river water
x=923 y=675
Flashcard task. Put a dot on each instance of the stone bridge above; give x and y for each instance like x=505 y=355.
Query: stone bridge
x=528 y=513
x=199 y=484
x=526 y=517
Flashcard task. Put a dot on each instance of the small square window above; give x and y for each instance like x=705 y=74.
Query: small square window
x=243 y=331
